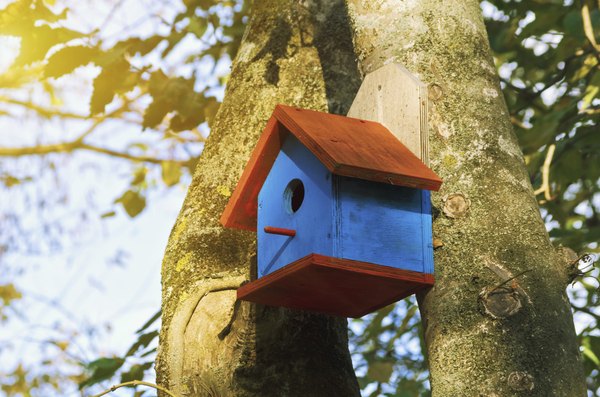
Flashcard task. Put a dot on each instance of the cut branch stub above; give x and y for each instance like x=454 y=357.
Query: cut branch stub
x=520 y=381
x=500 y=302
x=435 y=92
x=456 y=205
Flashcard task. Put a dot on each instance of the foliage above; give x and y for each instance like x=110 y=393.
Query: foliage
x=549 y=62
x=133 y=365
x=144 y=79
x=548 y=58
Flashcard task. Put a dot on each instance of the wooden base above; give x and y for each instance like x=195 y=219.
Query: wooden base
x=334 y=286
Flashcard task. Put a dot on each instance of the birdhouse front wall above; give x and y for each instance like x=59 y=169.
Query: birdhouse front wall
x=340 y=217
x=383 y=224
x=296 y=195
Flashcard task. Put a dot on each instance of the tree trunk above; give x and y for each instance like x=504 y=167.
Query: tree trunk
x=498 y=321
x=292 y=53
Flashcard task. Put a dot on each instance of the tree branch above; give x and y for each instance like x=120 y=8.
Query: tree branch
x=588 y=28
x=43 y=111
x=545 y=188
x=125 y=155
x=135 y=383
x=50 y=112
x=72 y=146
x=78 y=143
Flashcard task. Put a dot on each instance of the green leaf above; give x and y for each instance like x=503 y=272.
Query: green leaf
x=381 y=370
x=133 y=203
x=151 y=321
x=573 y=24
x=102 y=369
x=171 y=172
x=107 y=84
x=210 y=110
x=68 y=59
x=190 y=113
x=139 y=176
x=156 y=112
x=19 y=17
x=9 y=180
x=9 y=293
x=136 y=45
x=157 y=83
x=39 y=39
x=197 y=26
x=591 y=92
x=590 y=355
x=136 y=372
x=142 y=342
x=173 y=40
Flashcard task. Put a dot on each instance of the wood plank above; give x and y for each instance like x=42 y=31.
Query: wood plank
x=357 y=148
x=334 y=286
x=383 y=224
x=346 y=146
x=312 y=221
x=397 y=99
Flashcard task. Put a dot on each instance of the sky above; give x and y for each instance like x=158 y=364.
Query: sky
x=89 y=280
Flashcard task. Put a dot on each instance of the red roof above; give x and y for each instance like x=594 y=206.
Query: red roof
x=346 y=146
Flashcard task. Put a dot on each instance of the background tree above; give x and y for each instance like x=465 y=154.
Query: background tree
x=546 y=53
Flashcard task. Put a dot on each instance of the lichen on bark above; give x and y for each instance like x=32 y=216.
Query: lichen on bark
x=295 y=53
x=299 y=53
x=501 y=234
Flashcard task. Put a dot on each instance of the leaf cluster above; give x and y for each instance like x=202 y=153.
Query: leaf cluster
x=549 y=63
x=133 y=365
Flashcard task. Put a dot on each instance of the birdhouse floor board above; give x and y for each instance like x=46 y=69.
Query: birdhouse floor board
x=334 y=286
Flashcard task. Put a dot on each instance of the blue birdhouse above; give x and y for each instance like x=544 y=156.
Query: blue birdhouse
x=342 y=212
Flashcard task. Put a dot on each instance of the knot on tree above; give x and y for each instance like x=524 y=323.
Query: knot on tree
x=435 y=91
x=520 y=381
x=456 y=205
x=500 y=302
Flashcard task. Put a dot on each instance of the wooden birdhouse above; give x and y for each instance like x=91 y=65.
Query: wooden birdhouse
x=342 y=212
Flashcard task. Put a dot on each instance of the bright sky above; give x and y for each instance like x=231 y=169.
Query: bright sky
x=106 y=273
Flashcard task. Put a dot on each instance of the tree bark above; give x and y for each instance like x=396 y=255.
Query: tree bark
x=498 y=321
x=293 y=53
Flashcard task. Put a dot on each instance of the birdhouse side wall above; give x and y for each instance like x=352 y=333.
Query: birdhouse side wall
x=312 y=220
x=383 y=224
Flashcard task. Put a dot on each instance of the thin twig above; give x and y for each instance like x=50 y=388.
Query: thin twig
x=127 y=156
x=67 y=147
x=545 y=188
x=518 y=123
x=510 y=279
x=135 y=383
x=43 y=111
x=587 y=26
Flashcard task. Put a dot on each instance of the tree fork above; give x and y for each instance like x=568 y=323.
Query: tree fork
x=482 y=340
x=293 y=53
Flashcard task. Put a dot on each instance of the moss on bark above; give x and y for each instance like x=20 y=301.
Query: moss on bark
x=293 y=53
x=472 y=351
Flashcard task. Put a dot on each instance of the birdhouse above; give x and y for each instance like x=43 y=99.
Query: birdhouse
x=342 y=212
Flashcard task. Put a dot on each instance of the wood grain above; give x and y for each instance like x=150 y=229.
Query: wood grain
x=396 y=98
x=334 y=286
x=357 y=148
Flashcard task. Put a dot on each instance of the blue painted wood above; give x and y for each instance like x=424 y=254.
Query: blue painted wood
x=383 y=224
x=427 y=231
x=343 y=217
x=313 y=221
